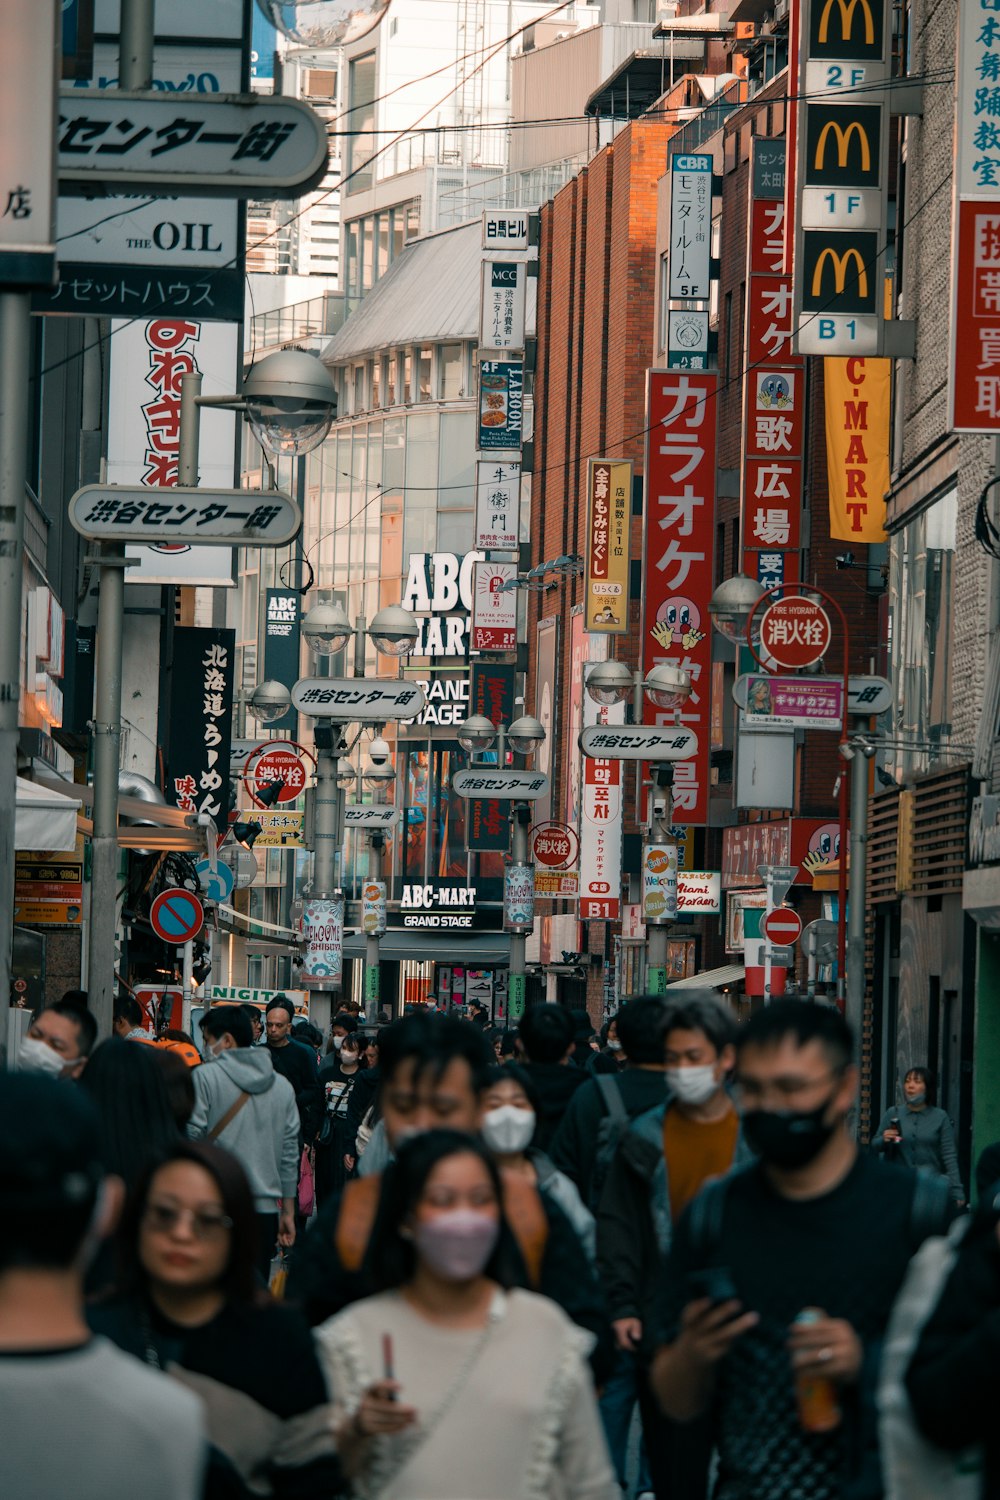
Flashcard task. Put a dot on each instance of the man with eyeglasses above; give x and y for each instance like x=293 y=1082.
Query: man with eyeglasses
x=63 y=1391
x=244 y=1105
x=782 y=1276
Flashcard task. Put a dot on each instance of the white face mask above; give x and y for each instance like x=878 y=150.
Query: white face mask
x=210 y=1054
x=508 y=1128
x=614 y=1046
x=338 y=1042
x=693 y=1085
x=348 y=1058
x=34 y=1056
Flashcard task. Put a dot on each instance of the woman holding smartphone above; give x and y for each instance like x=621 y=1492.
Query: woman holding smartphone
x=447 y=1338
x=919 y=1134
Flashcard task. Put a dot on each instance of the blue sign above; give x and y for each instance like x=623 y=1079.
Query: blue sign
x=216 y=885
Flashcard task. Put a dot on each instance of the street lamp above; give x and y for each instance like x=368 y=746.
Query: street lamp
x=733 y=606
x=394 y=631
x=269 y=701
x=345 y=774
x=525 y=734
x=290 y=402
x=377 y=777
x=475 y=734
x=668 y=687
x=323 y=23
x=327 y=629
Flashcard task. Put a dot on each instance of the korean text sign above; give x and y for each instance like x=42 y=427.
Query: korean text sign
x=682 y=422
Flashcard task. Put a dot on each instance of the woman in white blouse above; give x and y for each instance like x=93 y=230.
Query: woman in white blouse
x=452 y=1384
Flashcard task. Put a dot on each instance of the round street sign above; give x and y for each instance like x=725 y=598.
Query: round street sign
x=177 y=915
x=217 y=885
x=795 y=632
x=281 y=760
x=554 y=846
x=782 y=926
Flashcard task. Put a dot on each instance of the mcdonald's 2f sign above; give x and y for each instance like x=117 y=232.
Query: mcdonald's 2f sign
x=842 y=272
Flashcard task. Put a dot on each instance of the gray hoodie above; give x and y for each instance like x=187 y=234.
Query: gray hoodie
x=264 y=1136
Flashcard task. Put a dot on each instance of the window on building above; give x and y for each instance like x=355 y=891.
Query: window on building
x=390 y=381
x=397 y=231
x=367 y=254
x=353 y=278
x=727 y=334
x=413 y=218
x=921 y=590
x=359 y=388
x=382 y=240
x=451 y=382
x=406 y=392
x=361 y=144
x=377 y=381
x=425 y=365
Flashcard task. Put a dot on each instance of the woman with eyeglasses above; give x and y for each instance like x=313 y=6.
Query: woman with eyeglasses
x=188 y=1301
x=452 y=1382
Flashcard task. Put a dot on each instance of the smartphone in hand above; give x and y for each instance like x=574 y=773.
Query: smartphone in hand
x=714 y=1283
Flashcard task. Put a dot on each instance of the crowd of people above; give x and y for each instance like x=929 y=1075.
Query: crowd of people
x=443 y=1259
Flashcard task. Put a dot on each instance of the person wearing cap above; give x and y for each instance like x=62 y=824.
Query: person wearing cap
x=63 y=1392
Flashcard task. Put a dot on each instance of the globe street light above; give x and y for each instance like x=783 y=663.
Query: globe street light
x=524 y=734
x=378 y=777
x=327 y=629
x=733 y=605
x=290 y=402
x=345 y=774
x=323 y=23
x=269 y=701
x=610 y=682
x=667 y=686
x=394 y=631
x=475 y=734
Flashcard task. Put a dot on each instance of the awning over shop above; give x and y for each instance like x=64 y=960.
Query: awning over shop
x=712 y=979
x=476 y=950
x=44 y=820
x=165 y=830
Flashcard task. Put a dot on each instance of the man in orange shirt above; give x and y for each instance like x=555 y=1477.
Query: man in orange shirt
x=663 y=1160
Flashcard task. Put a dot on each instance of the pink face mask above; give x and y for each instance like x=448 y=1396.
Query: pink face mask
x=457 y=1245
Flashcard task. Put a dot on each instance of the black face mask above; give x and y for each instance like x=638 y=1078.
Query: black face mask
x=787 y=1137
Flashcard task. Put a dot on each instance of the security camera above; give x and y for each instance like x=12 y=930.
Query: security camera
x=659 y=807
x=379 y=752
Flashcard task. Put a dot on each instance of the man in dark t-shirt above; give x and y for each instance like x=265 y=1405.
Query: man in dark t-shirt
x=297 y=1063
x=813 y=1227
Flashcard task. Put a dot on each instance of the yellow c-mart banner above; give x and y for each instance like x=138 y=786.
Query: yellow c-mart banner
x=857 y=446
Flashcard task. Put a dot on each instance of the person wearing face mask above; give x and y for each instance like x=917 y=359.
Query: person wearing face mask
x=920 y=1134
x=241 y=1102
x=433 y=1069
x=507 y=1121
x=59 y=1040
x=449 y=1337
x=663 y=1158
x=338 y=1076
x=814 y=1240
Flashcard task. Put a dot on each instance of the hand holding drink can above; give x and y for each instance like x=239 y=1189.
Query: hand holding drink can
x=815 y=1395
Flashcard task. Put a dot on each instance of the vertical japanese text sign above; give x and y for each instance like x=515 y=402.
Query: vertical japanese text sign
x=601 y=823
x=29 y=86
x=609 y=512
x=774 y=385
x=678 y=560
x=690 y=227
x=974 y=386
x=201 y=713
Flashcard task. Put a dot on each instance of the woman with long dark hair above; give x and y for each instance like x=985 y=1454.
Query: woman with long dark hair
x=189 y=1302
x=451 y=1381
x=138 y=1125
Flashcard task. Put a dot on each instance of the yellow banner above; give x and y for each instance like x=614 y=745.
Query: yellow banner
x=609 y=518
x=857 y=446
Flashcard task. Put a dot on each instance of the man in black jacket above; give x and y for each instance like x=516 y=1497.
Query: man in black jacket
x=584 y=1133
x=296 y=1062
x=548 y=1037
x=432 y=1068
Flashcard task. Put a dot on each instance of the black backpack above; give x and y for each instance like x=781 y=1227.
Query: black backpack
x=610 y=1131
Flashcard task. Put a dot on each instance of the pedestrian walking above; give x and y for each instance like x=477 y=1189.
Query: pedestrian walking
x=433 y=1069
x=80 y=1419
x=336 y=1156
x=189 y=1300
x=296 y=1061
x=128 y=1020
x=452 y=1381
x=664 y=1157
x=920 y=1134
x=129 y=1089
x=60 y=1039
x=508 y=1121
x=781 y=1277
x=241 y=1102
x=548 y=1039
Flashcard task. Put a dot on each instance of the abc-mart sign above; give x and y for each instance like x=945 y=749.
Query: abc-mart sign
x=439 y=591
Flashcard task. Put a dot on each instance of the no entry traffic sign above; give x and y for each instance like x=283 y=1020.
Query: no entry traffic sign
x=177 y=915
x=795 y=632
x=783 y=926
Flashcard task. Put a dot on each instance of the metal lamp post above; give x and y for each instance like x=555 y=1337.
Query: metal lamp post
x=378 y=776
x=522 y=736
x=667 y=687
x=327 y=628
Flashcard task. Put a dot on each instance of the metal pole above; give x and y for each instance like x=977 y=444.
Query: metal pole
x=656 y=932
x=15 y=341
x=135 y=71
x=855 y=1002
x=135 y=46
x=190 y=431
x=106 y=733
x=517 y=976
x=187 y=984
x=373 y=975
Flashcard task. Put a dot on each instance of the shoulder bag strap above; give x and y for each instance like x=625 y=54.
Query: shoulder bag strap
x=611 y=1096
x=227 y=1119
